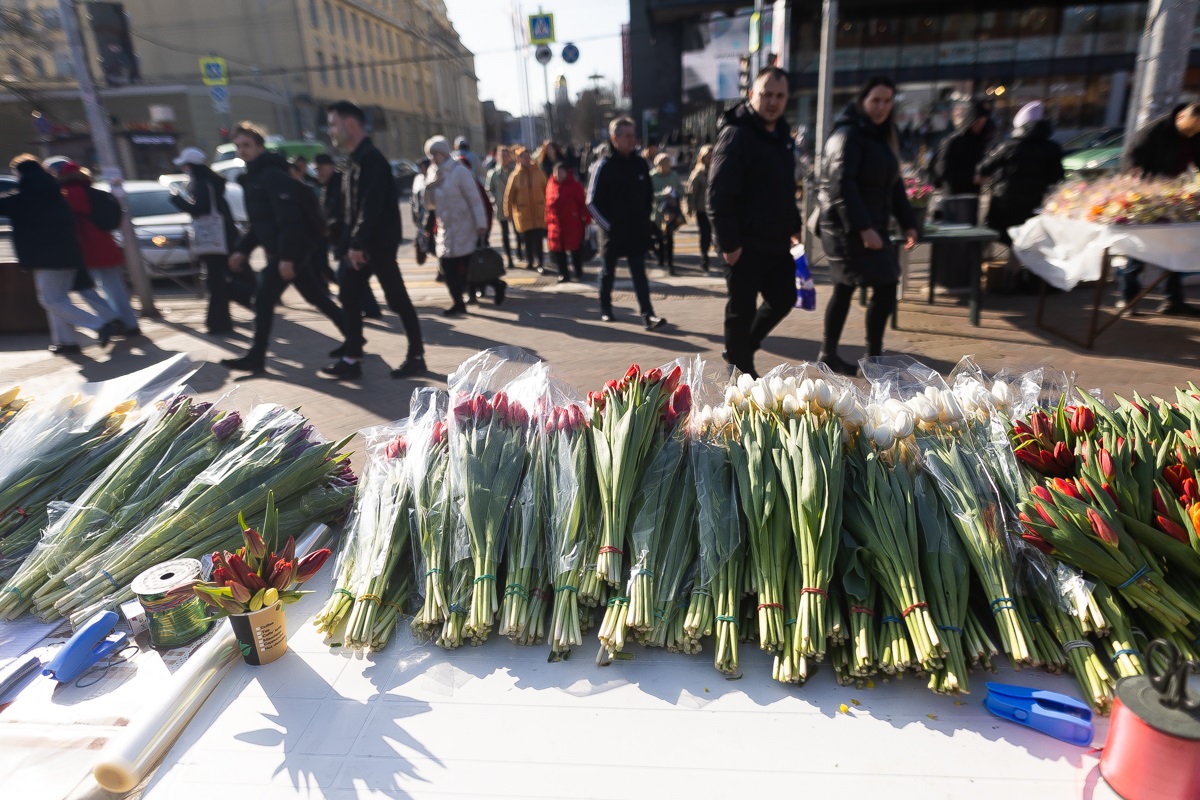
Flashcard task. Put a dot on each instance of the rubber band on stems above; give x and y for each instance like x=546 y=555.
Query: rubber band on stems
x=812 y=590
x=1125 y=652
x=1135 y=577
x=761 y=606
x=862 y=610
x=1002 y=604
x=913 y=608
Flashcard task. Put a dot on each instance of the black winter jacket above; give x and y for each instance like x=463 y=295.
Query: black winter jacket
x=275 y=206
x=752 y=184
x=331 y=206
x=620 y=199
x=204 y=187
x=1160 y=151
x=370 y=206
x=860 y=188
x=1022 y=170
x=43 y=227
x=960 y=153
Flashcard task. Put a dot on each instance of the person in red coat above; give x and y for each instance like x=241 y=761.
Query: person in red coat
x=567 y=218
x=101 y=253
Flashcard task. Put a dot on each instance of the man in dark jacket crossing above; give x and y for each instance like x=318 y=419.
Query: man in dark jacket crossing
x=285 y=222
x=1164 y=148
x=370 y=239
x=620 y=199
x=752 y=207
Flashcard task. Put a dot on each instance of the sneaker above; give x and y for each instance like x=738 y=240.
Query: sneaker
x=413 y=365
x=106 y=332
x=607 y=316
x=501 y=289
x=454 y=311
x=472 y=299
x=65 y=349
x=1129 y=308
x=247 y=363
x=653 y=323
x=838 y=365
x=1178 y=309
x=342 y=370
x=564 y=278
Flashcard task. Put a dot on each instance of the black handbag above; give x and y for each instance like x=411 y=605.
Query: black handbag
x=485 y=266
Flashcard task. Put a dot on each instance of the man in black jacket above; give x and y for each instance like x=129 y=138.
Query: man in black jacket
x=620 y=199
x=329 y=181
x=752 y=208
x=283 y=216
x=370 y=239
x=961 y=152
x=1164 y=148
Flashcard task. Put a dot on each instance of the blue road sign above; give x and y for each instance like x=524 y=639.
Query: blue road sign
x=570 y=53
x=541 y=28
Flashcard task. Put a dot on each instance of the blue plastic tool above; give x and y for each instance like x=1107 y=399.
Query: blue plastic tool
x=1050 y=713
x=91 y=644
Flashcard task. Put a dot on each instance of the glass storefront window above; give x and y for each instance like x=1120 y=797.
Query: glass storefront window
x=958 y=27
x=1078 y=20
x=998 y=25
x=922 y=29
x=882 y=31
x=1040 y=21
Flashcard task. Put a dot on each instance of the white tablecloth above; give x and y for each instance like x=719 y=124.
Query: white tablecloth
x=1065 y=252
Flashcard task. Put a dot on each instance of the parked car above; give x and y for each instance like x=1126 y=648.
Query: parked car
x=8 y=183
x=404 y=172
x=1087 y=164
x=229 y=169
x=1091 y=139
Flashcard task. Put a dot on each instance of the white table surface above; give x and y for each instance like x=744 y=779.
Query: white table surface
x=499 y=721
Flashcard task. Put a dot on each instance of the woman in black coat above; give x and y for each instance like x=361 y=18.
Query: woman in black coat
x=1022 y=170
x=861 y=188
x=207 y=190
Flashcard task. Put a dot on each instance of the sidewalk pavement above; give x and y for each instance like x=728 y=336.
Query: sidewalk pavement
x=560 y=323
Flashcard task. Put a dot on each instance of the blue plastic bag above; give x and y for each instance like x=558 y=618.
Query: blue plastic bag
x=806 y=290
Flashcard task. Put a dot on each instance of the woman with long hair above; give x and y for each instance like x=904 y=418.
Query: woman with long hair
x=861 y=188
x=697 y=192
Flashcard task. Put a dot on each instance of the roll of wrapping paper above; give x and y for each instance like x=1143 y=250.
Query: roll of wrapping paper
x=127 y=758
x=174 y=614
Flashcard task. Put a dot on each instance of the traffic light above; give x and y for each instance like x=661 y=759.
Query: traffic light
x=744 y=75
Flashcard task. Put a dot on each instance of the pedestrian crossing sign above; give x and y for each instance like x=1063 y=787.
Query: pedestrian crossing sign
x=541 y=28
x=214 y=71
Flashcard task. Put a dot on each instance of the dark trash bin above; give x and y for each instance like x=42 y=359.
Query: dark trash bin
x=949 y=262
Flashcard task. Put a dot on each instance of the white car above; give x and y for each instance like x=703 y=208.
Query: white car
x=163 y=231
x=229 y=169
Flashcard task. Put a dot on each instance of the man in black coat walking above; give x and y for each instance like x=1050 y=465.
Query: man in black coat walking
x=329 y=181
x=752 y=207
x=620 y=200
x=370 y=239
x=285 y=221
x=1164 y=148
x=961 y=152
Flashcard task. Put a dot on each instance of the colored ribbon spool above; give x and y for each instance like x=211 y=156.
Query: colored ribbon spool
x=1153 y=747
x=174 y=614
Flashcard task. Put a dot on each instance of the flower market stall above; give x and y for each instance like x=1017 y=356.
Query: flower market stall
x=1083 y=225
x=680 y=584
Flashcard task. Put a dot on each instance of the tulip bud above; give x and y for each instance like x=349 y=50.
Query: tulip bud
x=223 y=428
x=221 y=576
x=671 y=381
x=791 y=406
x=229 y=605
x=903 y=424
x=1171 y=528
x=1044 y=515
x=652 y=377
x=396 y=448
x=281 y=576
x=1043 y=430
x=310 y=564
x=207 y=598
x=1063 y=455
x=823 y=393
x=681 y=400
x=1105 y=462
x=439 y=432
x=1101 y=527
x=1194 y=515
x=844 y=404
x=1043 y=494
x=745 y=383
x=632 y=372
x=288 y=553
x=255 y=545
x=806 y=391
x=884 y=437
x=776 y=388
x=761 y=397
x=1083 y=421
x=1159 y=505
x=239 y=592
x=1001 y=393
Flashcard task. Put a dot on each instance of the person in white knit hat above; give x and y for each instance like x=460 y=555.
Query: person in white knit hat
x=1021 y=170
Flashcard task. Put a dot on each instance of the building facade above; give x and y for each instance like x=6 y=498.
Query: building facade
x=1077 y=58
x=401 y=60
